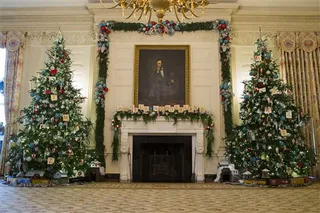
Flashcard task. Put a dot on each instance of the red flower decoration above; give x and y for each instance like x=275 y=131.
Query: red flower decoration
x=48 y=92
x=53 y=72
x=260 y=84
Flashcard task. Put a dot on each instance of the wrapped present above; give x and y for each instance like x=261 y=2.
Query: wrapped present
x=40 y=181
x=297 y=181
x=255 y=182
x=277 y=182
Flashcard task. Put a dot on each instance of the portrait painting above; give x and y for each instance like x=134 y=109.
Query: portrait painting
x=161 y=75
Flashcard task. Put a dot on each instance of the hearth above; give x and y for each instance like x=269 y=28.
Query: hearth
x=162 y=158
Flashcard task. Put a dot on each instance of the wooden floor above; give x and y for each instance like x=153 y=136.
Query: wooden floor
x=145 y=197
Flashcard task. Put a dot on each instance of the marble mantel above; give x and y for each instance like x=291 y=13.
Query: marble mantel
x=161 y=126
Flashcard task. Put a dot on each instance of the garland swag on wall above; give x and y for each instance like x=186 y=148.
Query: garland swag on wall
x=153 y=28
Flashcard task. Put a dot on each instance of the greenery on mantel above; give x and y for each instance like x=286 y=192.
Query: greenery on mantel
x=153 y=28
x=151 y=116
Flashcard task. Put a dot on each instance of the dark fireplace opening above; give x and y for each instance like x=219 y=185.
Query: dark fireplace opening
x=226 y=175
x=162 y=158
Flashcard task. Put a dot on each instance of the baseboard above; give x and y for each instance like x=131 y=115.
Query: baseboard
x=112 y=177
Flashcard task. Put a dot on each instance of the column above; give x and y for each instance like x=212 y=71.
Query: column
x=199 y=168
x=124 y=162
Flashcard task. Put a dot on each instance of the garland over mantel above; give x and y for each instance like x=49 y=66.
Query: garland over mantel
x=153 y=28
x=194 y=114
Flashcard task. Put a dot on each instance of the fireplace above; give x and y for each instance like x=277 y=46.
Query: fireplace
x=150 y=137
x=162 y=158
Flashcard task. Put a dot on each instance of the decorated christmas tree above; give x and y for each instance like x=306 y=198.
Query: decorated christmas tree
x=54 y=137
x=270 y=136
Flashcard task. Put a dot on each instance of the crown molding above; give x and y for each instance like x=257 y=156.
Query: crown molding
x=249 y=38
x=247 y=23
x=278 y=11
x=72 y=38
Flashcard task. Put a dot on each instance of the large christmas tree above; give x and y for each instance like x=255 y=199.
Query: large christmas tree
x=54 y=137
x=270 y=134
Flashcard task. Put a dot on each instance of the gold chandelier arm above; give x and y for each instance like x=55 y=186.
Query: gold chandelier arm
x=150 y=13
x=184 y=15
x=117 y=4
x=176 y=13
x=140 y=15
x=187 y=6
x=133 y=11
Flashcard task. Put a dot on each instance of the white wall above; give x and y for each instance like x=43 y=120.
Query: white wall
x=204 y=78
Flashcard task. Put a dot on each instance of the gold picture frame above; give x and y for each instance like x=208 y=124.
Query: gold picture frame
x=161 y=75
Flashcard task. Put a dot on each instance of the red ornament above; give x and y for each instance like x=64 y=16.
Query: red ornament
x=102 y=96
x=48 y=92
x=223 y=99
x=33 y=156
x=61 y=91
x=212 y=124
x=219 y=27
x=103 y=28
x=108 y=31
x=167 y=21
x=147 y=28
x=228 y=38
x=106 y=89
x=161 y=26
x=223 y=26
x=249 y=149
x=53 y=72
x=260 y=84
x=153 y=23
x=62 y=60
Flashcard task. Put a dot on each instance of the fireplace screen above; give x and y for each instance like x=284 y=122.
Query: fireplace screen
x=162 y=158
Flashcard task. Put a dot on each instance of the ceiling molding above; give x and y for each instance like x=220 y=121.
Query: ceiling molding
x=275 y=23
x=44 y=19
x=283 y=11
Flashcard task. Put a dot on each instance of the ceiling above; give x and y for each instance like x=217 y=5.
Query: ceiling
x=82 y=3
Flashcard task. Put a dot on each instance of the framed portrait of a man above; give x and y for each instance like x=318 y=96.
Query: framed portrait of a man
x=161 y=75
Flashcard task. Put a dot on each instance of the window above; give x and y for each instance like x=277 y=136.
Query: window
x=2 y=67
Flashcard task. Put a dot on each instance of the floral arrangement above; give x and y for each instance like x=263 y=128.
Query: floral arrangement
x=226 y=95
x=153 y=28
x=175 y=113
x=100 y=90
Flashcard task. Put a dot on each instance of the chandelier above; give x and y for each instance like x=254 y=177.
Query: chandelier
x=138 y=8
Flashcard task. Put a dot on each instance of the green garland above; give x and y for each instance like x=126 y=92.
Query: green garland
x=153 y=28
x=147 y=116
